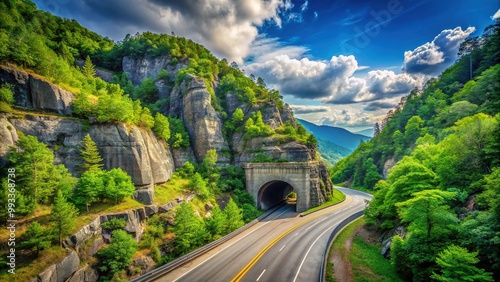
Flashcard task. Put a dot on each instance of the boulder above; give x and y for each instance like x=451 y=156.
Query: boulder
x=166 y=207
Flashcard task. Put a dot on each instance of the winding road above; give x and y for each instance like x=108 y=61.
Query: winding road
x=282 y=247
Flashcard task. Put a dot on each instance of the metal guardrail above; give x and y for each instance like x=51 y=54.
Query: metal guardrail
x=168 y=267
x=337 y=229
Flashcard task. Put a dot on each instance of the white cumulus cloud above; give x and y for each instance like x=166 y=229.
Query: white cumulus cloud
x=433 y=57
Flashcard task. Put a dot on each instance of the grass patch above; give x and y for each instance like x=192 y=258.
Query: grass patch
x=366 y=261
x=337 y=197
x=26 y=267
x=167 y=192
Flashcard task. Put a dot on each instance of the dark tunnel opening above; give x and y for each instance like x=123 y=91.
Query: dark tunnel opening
x=273 y=193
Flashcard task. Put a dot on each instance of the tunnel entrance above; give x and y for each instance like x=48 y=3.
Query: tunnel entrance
x=272 y=193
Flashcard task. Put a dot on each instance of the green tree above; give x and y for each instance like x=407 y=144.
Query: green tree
x=458 y=264
x=216 y=224
x=35 y=238
x=234 y=216
x=89 y=188
x=238 y=116
x=37 y=176
x=88 y=68
x=162 y=127
x=90 y=155
x=427 y=213
x=117 y=256
x=198 y=185
x=6 y=97
x=118 y=185
x=63 y=216
x=189 y=230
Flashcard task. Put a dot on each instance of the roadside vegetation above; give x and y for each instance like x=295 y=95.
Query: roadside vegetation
x=355 y=256
x=443 y=143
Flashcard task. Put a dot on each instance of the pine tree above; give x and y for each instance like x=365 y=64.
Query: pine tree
x=457 y=264
x=234 y=216
x=90 y=155
x=63 y=215
x=35 y=238
x=88 y=68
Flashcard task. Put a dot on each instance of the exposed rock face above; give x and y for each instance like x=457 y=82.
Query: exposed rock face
x=320 y=186
x=8 y=135
x=182 y=155
x=137 y=69
x=35 y=93
x=61 y=271
x=88 y=231
x=389 y=163
x=137 y=151
x=134 y=219
x=292 y=151
x=191 y=102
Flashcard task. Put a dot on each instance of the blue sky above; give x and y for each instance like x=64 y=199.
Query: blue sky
x=340 y=63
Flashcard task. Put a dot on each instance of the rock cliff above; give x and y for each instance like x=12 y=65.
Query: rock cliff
x=191 y=102
x=35 y=93
x=137 y=151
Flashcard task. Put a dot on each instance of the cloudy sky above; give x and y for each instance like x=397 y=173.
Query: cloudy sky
x=342 y=63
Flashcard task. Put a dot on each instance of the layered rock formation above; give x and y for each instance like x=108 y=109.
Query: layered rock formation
x=35 y=93
x=191 y=102
x=136 y=150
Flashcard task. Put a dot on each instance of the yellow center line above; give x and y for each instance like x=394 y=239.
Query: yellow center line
x=256 y=258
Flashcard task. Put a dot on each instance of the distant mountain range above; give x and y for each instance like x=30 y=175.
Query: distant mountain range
x=367 y=132
x=334 y=143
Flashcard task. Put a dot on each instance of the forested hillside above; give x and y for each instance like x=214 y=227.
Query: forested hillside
x=112 y=140
x=434 y=166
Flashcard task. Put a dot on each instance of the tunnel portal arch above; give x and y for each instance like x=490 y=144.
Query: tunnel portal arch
x=272 y=193
x=269 y=183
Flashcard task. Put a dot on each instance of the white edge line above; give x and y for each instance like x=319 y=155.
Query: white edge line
x=261 y=275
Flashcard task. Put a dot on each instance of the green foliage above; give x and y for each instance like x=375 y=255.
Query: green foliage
x=63 y=216
x=458 y=264
x=118 y=185
x=117 y=255
x=216 y=225
x=89 y=188
x=197 y=184
x=6 y=97
x=35 y=238
x=90 y=155
x=162 y=127
x=189 y=230
x=114 y=224
x=98 y=185
x=37 y=178
x=255 y=127
x=88 y=68
x=234 y=216
x=178 y=134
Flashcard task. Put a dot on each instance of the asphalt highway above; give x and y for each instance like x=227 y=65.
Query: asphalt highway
x=282 y=247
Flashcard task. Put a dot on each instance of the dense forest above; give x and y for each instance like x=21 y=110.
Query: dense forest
x=434 y=169
x=69 y=55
